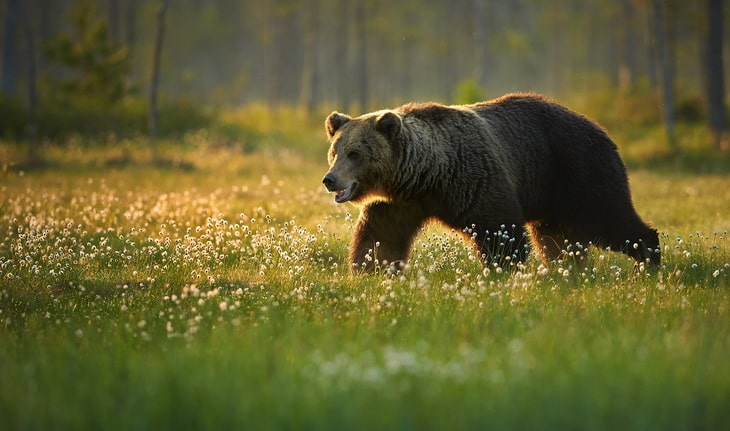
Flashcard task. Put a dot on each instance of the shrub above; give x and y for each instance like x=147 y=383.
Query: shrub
x=468 y=91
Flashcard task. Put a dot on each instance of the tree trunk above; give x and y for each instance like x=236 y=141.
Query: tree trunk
x=715 y=78
x=155 y=80
x=273 y=45
x=628 y=67
x=665 y=71
x=479 y=41
x=309 y=90
x=33 y=156
x=342 y=49
x=10 y=48
x=130 y=32
x=113 y=15
x=130 y=25
x=362 y=55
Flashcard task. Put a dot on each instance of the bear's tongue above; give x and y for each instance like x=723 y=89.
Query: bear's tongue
x=344 y=195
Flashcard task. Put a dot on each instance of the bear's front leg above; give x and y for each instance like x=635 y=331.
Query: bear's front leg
x=384 y=233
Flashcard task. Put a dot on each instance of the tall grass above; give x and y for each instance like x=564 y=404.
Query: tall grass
x=139 y=298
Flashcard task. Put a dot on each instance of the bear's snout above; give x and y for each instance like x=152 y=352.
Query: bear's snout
x=343 y=191
x=329 y=181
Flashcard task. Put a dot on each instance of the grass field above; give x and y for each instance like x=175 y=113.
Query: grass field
x=134 y=297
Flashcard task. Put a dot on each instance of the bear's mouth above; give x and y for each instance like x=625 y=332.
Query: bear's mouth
x=345 y=195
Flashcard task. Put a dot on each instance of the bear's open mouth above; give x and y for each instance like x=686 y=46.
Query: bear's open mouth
x=345 y=195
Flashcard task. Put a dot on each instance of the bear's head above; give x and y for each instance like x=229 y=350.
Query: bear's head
x=361 y=154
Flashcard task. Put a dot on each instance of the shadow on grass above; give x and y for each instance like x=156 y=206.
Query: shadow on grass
x=163 y=163
x=123 y=161
x=30 y=164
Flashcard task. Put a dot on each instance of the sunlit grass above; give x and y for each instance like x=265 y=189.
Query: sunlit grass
x=220 y=297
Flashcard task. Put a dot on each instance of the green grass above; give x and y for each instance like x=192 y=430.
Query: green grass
x=219 y=298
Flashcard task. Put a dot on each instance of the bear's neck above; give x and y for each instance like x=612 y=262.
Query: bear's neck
x=418 y=164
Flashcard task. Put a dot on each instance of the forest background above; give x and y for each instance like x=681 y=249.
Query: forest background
x=169 y=258
x=88 y=67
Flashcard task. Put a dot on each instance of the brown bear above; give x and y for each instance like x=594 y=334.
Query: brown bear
x=495 y=170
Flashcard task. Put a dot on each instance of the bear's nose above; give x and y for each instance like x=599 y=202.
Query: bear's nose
x=329 y=181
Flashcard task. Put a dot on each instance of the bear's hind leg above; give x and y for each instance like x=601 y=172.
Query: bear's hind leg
x=548 y=241
x=640 y=243
x=555 y=242
x=502 y=246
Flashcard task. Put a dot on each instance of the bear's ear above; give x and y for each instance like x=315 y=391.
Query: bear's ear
x=389 y=124
x=334 y=121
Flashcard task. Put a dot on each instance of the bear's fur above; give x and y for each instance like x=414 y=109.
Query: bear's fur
x=499 y=171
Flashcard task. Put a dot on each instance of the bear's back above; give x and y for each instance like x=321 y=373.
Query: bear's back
x=553 y=149
x=564 y=130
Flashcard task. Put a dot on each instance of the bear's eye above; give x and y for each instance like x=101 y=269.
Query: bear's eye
x=353 y=155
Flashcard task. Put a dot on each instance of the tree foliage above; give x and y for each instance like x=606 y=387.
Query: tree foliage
x=468 y=91
x=93 y=66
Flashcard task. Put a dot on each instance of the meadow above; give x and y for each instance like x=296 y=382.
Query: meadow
x=213 y=293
